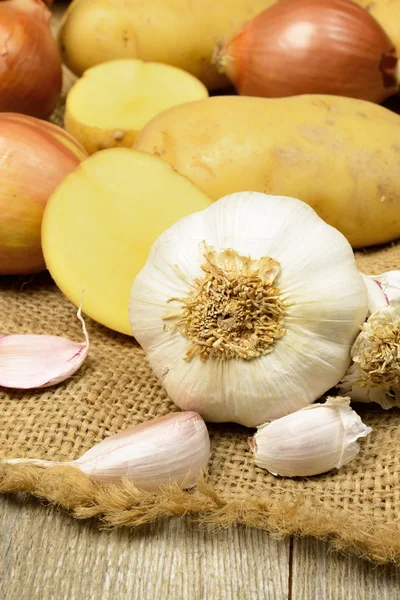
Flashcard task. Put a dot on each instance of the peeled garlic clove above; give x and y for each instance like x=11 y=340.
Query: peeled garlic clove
x=170 y=449
x=311 y=441
x=38 y=361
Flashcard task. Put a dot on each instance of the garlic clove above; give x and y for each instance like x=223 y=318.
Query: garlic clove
x=38 y=361
x=313 y=440
x=170 y=449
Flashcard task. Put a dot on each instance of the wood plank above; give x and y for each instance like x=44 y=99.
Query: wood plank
x=47 y=555
x=319 y=573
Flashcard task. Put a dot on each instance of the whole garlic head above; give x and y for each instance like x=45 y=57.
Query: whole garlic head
x=247 y=310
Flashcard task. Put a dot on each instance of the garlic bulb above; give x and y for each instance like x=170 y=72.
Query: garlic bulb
x=170 y=449
x=247 y=310
x=311 y=441
x=374 y=375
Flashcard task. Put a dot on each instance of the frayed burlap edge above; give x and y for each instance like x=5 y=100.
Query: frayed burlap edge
x=126 y=505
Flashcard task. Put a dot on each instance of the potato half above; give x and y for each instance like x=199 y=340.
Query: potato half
x=113 y=101
x=101 y=222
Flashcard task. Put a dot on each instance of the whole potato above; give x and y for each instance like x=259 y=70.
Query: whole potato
x=340 y=155
x=182 y=33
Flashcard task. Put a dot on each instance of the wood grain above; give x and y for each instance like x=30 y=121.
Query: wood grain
x=318 y=573
x=47 y=555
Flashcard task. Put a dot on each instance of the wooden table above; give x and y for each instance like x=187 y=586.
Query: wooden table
x=47 y=555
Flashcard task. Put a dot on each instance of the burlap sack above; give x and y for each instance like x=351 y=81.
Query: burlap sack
x=356 y=507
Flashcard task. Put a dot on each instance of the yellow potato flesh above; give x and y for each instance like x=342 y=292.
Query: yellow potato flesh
x=101 y=222
x=340 y=155
x=111 y=103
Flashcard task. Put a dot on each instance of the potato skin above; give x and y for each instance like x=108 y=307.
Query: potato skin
x=182 y=33
x=94 y=139
x=340 y=155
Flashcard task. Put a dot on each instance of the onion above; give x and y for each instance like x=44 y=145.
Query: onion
x=35 y=156
x=30 y=64
x=311 y=46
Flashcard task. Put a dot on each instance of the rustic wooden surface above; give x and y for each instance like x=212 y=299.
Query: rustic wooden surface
x=47 y=555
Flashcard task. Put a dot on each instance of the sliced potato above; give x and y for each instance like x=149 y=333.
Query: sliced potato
x=113 y=101
x=101 y=222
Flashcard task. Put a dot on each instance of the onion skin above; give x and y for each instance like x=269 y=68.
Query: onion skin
x=30 y=63
x=311 y=47
x=35 y=156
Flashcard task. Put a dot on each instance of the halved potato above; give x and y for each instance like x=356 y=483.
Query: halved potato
x=101 y=222
x=113 y=101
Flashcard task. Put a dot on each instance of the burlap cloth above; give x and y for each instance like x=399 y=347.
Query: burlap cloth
x=356 y=507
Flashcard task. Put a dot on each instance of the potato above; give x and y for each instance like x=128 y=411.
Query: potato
x=182 y=33
x=340 y=155
x=124 y=96
x=101 y=222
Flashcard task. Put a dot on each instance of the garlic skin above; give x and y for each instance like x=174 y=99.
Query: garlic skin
x=382 y=289
x=247 y=310
x=38 y=361
x=170 y=449
x=376 y=296
x=311 y=441
x=389 y=282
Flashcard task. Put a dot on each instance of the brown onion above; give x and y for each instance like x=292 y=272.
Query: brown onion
x=30 y=64
x=35 y=156
x=311 y=46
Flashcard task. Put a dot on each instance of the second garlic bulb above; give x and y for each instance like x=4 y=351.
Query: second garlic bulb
x=247 y=310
